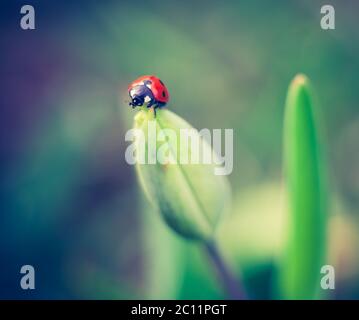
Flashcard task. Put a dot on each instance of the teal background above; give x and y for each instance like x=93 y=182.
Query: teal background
x=70 y=204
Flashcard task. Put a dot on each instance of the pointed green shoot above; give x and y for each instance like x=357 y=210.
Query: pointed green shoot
x=306 y=195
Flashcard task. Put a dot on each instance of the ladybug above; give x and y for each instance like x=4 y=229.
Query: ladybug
x=149 y=91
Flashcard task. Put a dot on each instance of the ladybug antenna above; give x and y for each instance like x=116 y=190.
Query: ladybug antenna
x=130 y=103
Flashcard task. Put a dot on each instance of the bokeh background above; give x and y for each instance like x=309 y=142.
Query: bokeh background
x=69 y=203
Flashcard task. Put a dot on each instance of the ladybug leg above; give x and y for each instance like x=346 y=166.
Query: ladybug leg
x=150 y=104
x=153 y=107
x=154 y=110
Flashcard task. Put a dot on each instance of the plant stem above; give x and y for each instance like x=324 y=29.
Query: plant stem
x=232 y=285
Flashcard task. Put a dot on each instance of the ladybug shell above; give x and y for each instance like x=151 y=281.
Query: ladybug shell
x=159 y=90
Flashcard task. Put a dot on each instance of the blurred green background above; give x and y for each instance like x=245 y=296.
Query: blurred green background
x=71 y=205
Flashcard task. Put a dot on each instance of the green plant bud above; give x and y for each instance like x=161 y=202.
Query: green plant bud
x=306 y=194
x=179 y=178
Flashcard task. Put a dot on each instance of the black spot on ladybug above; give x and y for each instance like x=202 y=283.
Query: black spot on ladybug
x=163 y=94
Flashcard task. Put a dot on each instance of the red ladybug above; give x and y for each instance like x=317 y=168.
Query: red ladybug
x=149 y=91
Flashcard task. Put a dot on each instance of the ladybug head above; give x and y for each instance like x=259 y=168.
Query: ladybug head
x=140 y=95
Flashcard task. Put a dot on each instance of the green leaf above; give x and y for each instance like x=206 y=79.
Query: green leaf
x=190 y=197
x=306 y=194
x=164 y=256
